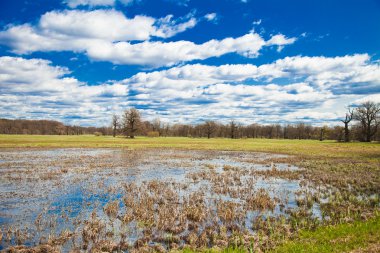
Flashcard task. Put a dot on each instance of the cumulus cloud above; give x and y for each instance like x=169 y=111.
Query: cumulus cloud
x=348 y=74
x=168 y=27
x=108 y=35
x=226 y=90
x=76 y=30
x=170 y=53
x=30 y=86
x=18 y=74
x=323 y=73
x=292 y=89
x=109 y=25
x=31 y=76
x=280 y=41
x=374 y=97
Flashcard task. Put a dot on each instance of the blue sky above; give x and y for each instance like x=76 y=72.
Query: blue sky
x=80 y=61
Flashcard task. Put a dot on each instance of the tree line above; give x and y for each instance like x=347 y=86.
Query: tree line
x=47 y=127
x=360 y=124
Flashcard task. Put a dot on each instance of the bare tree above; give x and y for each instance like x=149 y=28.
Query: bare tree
x=157 y=126
x=322 y=133
x=301 y=130
x=346 y=121
x=209 y=127
x=131 y=122
x=233 y=127
x=166 y=129
x=368 y=116
x=115 y=124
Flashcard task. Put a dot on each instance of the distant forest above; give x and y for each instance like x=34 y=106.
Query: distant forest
x=359 y=124
x=45 y=127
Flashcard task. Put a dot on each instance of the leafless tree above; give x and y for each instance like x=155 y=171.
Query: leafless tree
x=157 y=126
x=166 y=129
x=131 y=122
x=368 y=116
x=346 y=121
x=322 y=133
x=233 y=127
x=209 y=127
x=115 y=124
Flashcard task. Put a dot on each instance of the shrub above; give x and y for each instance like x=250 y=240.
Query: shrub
x=153 y=134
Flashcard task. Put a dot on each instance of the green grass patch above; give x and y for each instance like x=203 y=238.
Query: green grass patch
x=305 y=148
x=357 y=237
x=361 y=236
x=227 y=250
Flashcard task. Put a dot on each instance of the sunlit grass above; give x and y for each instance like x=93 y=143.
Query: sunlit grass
x=361 y=236
x=356 y=237
x=227 y=250
x=307 y=148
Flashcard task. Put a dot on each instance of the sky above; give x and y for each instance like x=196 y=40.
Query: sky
x=187 y=61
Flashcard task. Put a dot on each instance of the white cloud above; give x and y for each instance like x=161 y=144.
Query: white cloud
x=347 y=74
x=280 y=40
x=167 y=27
x=19 y=74
x=76 y=30
x=30 y=86
x=257 y=22
x=225 y=89
x=110 y=25
x=212 y=17
x=219 y=82
x=170 y=53
x=107 y=35
x=374 y=98
x=37 y=75
x=320 y=72
x=357 y=69
x=188 y=93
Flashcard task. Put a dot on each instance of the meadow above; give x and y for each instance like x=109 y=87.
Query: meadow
x=308 y=148
x=264 y=194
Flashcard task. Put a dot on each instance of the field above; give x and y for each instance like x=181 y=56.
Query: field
x=308 y=148
x=188 y=195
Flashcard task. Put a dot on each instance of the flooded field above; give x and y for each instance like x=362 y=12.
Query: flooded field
x=147 y=200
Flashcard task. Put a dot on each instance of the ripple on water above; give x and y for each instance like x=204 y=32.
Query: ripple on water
x=69 y=184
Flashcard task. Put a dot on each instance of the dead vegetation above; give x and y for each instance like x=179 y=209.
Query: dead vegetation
x=153 y=201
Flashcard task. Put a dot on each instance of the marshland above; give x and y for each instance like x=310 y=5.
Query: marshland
x=189 y=126
x=186 y=195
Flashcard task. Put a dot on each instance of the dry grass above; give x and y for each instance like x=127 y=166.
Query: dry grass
x=217 y=206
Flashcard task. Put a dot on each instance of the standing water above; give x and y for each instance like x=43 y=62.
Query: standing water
x=116 y=199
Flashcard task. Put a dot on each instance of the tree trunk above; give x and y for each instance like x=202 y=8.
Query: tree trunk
x=321 y=137
x=368 y=134
x=346 y=132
